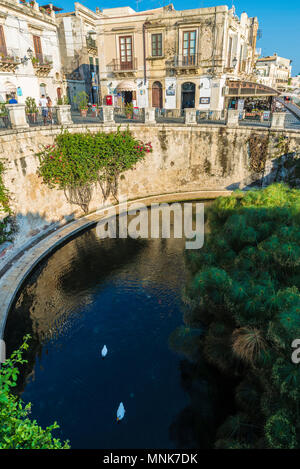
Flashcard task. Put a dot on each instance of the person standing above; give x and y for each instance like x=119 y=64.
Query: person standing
x=12 y=99
x=49 y=105
x=44 y=107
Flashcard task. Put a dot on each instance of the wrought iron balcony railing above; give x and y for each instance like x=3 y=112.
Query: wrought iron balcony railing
x=91 y=43
x=184 y=61
x=118 y=65
x=41 y=60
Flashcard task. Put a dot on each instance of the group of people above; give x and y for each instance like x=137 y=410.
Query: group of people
x=45 y=105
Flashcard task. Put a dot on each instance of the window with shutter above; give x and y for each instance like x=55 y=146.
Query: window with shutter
x=189 y=47
x=126 y=52
x=3 y=50
x=38 y=48
x=156 y=41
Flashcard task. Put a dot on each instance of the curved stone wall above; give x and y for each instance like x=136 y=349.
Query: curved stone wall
x=188 y=162
x=184 y=158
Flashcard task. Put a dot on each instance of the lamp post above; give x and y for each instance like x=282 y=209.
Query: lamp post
x=25 y=59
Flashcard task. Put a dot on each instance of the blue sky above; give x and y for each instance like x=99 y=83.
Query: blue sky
x=278 y=19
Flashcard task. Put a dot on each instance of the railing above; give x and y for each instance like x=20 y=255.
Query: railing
x=4 y=118
x=184 y=61
x=121 y=114
x=90 y=116
x=9 y=55
x=211 y=117
x=118 y=65
x=259 y=119
x=91 y=43
x=42 y=117
x=169 y=115
x=11 y=117
x=41 y=60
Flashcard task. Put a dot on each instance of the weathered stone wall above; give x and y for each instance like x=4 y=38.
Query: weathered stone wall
x=185 y=158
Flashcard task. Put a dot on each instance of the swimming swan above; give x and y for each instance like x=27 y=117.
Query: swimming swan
x=120 y=412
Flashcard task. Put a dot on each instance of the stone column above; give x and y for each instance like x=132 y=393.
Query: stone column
x=149 y=115
x=278 y=120
x=190 y=116
x=64 y=114
x=17 y=116
x=108 y=114
x=233 y=117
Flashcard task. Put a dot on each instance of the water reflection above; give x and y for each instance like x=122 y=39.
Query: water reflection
x=126 y=294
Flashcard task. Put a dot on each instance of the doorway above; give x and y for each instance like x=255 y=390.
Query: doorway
x=59 y=94
x=157 y=95
x=188 y=95
x=127 y=97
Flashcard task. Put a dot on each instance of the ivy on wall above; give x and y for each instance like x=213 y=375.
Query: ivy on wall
x=258 y=149
x=76 y=162
x=4 y=208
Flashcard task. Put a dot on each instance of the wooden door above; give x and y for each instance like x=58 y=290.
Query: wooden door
x=157 y=95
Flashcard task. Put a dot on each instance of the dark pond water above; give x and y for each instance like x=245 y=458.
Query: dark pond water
x=126 y=294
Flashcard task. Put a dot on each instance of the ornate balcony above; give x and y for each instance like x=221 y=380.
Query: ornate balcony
x=123 y=69
x=184 y=64
x=9 y=59
x=42 y=64
x=91 y=45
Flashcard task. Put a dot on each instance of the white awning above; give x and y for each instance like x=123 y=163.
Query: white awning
x=126 y=86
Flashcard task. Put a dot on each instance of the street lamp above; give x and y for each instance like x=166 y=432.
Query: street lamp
x=234 y=62
x=25 y=59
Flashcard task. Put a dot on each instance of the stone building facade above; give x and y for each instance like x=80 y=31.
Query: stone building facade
x=274 y=71
x=30 y=62
x=79 y=52
x=171 y=59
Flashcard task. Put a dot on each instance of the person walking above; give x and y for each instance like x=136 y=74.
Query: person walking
x=49 y=105
x=44 y=106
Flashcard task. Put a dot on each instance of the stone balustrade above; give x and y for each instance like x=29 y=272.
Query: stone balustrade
x=18 y=120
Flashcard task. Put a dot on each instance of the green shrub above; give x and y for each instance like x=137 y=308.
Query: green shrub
x=78 y=161
x=247 y=279
x=17 y=430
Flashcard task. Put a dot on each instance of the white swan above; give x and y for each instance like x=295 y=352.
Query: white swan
x=104 y=351
x=120 y=412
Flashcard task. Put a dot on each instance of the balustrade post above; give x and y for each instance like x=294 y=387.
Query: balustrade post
x=64 y=114
x=150 y=115
x=233 y=117
x=17 y=116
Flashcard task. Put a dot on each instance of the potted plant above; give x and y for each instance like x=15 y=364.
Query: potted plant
x=4 y=113
x=31 y=109
x=34 y=61
x=94 y=110
x=129 y=110
x=81 y=99
x=64 y=100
